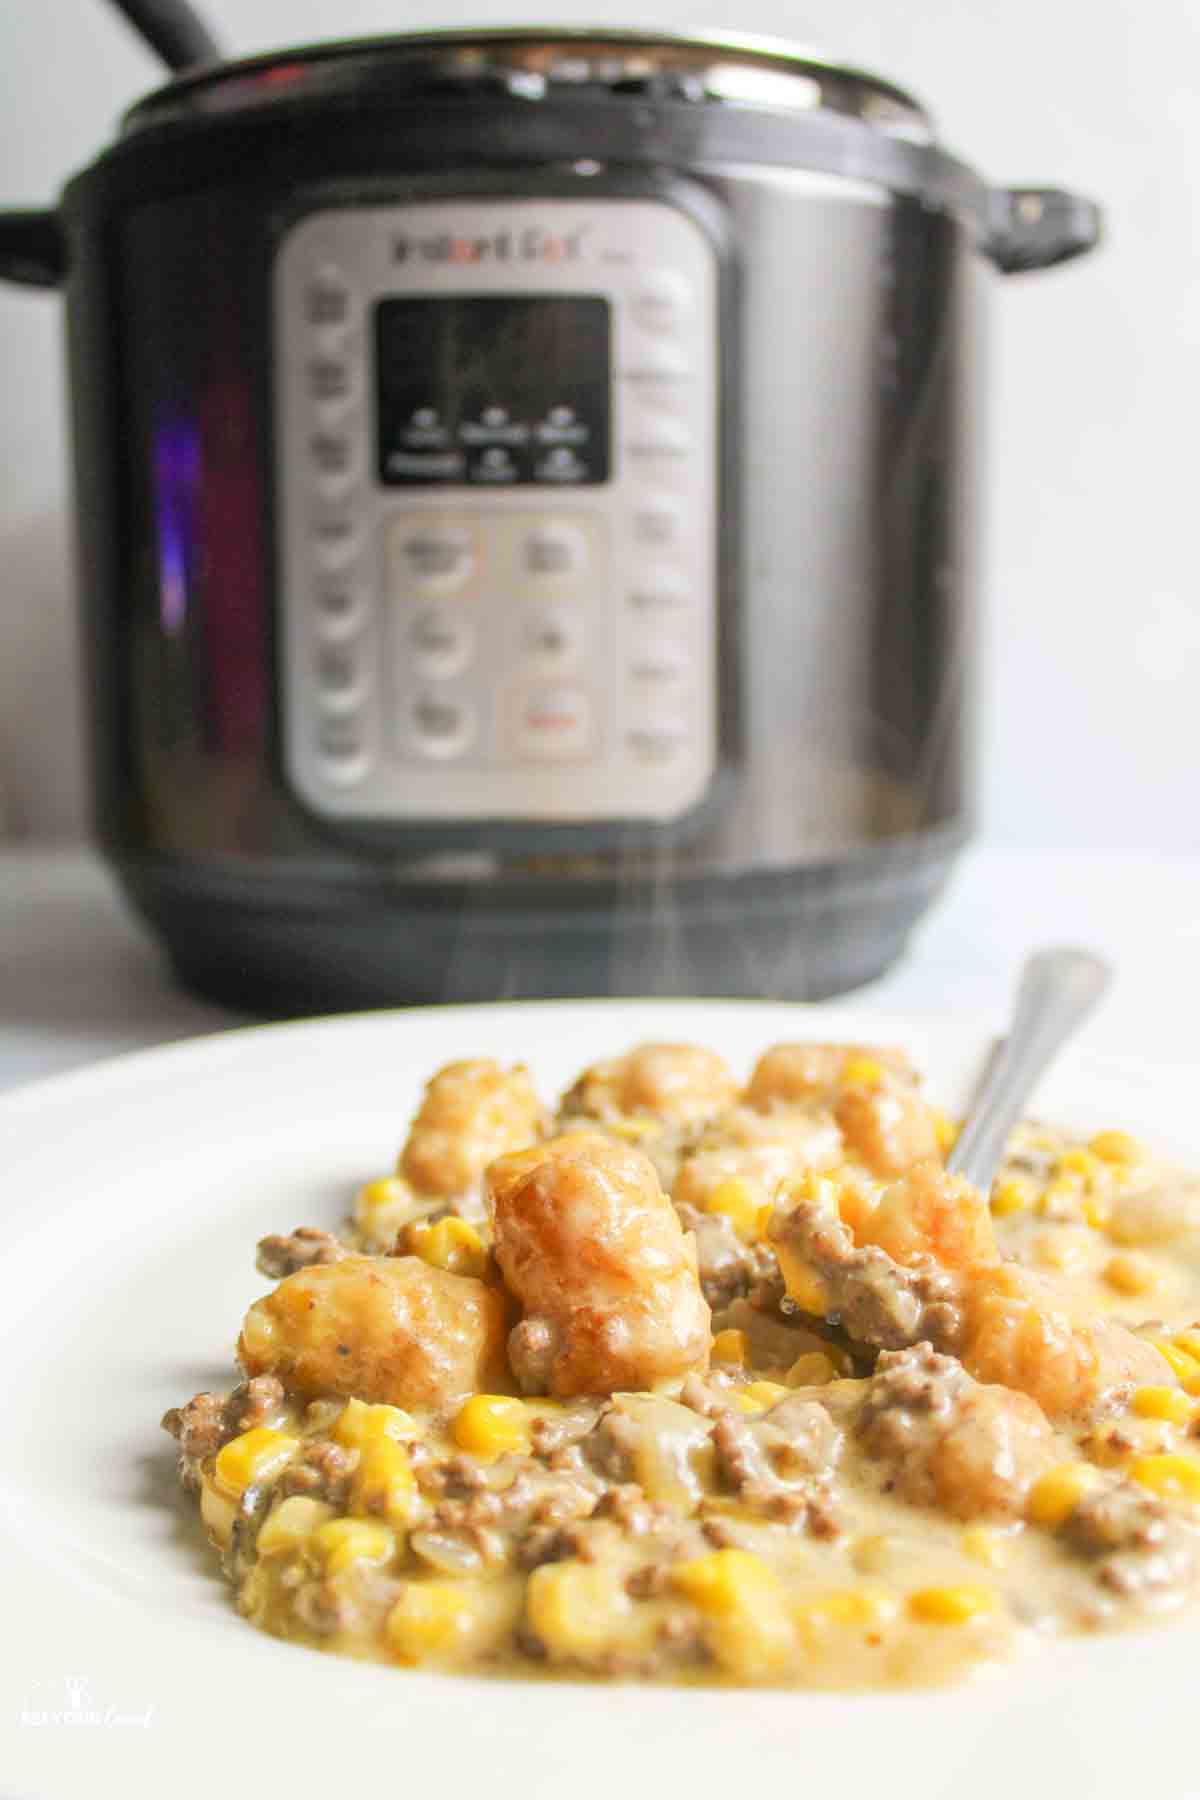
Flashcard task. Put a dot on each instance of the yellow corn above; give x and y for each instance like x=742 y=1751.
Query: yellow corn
x=730 y=1347
x=1115 y=1147
x=218 y=1512
x=359 y=1424
x=861 y=1606
x=576 y=1608
x=813 y=1369
x=951 y=1605
x=377 y=1196
x=1162 y=1403
x=1129 y=1273
x=1174 y=1477
x=339 y=1542
x=491 y=1425
x=861 y=1071
x=736 y=1200
x=1189 y=1343
x=1097 y=1212
x=1060 y=1199
x=384 y=1483
x=945 y=1131
x=428 y=1617
x=449 y=1243
x=1181 y=1363
x=984 y=1546
x=291 y=1524
x=803 y=1284
x=758 y=1396
x=724 y=1580
x=253 y=1457
x=1076 y=1161
x=1010 y=1197
x=1054 y=1497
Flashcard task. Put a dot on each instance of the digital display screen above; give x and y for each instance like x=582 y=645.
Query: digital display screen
x=493 y=390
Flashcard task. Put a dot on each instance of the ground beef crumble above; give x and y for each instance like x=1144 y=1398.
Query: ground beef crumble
x=281 y=1255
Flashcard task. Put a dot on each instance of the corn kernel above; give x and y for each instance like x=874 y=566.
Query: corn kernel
x=1077 y=1161
x=291 y=1524
x=872 y=1553
x=449 y=1243
x=259 y=1333
x=861 y=1606
x=1115 y=1147
x=735 y=1199
x=983 y=1546
x=1060 y=1199
x=951 y=1605
x=253 y=1457
x=378 y=1196
x=730 y=1347
x=1129 y=1273
x=1174 y=1477
x=1162 y=1403
x=861 y=1071
x=1010 y=1197
x=758 y=1396
x=491 y=1425
x=803 y=1284
x=1189 y=1342
x=359 y=1423
x=218 y=1512
x=813 y=1369
x=384 y=1483
x=1054 y=1497
x=945 y=1131
x=576 y=1608
x=723 y=1581
x=428 y=1618
x=1097 y=1212
x=1181 y=1363
x=339 y=1542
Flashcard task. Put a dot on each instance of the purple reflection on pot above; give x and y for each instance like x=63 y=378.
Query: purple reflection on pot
x=176 y=489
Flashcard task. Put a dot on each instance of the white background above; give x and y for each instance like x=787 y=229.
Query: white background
x=1093 y=640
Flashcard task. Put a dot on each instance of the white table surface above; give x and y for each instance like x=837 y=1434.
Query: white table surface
x=81 y=978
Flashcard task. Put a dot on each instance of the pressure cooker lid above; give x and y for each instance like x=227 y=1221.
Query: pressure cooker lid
x=534 y=63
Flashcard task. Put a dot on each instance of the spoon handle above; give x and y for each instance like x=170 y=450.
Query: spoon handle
x=1058 y=989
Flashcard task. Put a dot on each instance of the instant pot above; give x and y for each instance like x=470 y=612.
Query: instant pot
x=526 y=486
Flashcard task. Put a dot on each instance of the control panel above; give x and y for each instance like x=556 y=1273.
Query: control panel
x=497 y=510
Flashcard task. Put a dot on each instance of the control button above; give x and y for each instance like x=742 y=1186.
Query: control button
x=341 y=745
x=495 y=464
x=431 y=556
x=440 y=726
x=339 y=608
x=441 y=643
x=655 y=363
x=659 y=665
x=658 y=591
x=657 y=434
x=658 y=523
x=335 y=537
x=331 y=384
x=553 y=551
x=340 y=677
x=656 y=744
x=561 y=425
x=553 y=724
x=662 y=301
x=560 y=464
x=327 y=299
x=551 y=637
x=334 y=463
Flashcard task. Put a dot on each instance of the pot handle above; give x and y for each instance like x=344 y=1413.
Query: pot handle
x=33 y=249
x=1034 y=228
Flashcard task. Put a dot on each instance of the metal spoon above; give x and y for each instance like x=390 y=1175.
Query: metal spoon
x=1058 y=989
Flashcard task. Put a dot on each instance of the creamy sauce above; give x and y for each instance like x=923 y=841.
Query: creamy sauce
x=816 y=1497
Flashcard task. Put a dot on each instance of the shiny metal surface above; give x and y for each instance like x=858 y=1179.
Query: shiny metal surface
x=531 y=61
x=1058 y=990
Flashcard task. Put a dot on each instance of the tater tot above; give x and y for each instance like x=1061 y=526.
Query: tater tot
x=804 y=1074
x=593 y=1249
x=471 y=1113
x=681 y=1084
x=382 y=1328
x=886 y=1125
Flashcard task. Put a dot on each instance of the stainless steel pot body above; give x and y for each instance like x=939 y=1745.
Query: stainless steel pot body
x=850 y=312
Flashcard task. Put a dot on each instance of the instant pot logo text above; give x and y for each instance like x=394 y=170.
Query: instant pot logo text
x=531 y=244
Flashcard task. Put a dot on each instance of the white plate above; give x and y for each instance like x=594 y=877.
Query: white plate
x=132 y=1197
